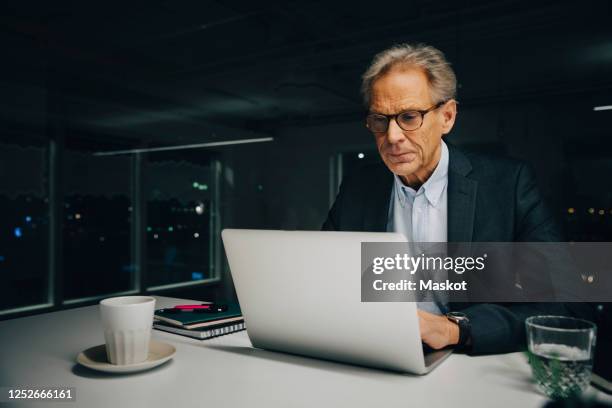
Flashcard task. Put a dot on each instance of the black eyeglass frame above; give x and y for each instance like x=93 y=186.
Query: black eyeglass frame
x=394 y=117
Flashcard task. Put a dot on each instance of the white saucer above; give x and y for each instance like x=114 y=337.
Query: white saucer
x=95 y=358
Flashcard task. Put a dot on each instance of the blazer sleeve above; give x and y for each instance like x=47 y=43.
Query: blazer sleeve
x=500 y=328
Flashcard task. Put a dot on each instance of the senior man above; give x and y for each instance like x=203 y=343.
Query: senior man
x=434 y=192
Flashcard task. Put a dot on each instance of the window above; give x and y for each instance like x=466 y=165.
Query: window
x=24 y=224
x=78 y=226
x=181 y=231
x=96 y=223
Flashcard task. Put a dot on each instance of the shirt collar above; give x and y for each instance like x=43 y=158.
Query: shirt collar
x=432 y=188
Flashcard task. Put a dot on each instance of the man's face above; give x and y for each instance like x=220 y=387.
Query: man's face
x=412 y=155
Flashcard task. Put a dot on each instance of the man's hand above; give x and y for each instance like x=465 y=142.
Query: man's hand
x=437 y=331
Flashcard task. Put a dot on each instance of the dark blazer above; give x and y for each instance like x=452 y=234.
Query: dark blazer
x=489 y=200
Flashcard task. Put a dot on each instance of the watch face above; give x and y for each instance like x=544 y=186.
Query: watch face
x=456 y=316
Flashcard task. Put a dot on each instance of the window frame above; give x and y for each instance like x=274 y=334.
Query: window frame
x=55 y=298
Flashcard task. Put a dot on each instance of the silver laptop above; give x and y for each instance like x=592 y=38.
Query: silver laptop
x=300 y=293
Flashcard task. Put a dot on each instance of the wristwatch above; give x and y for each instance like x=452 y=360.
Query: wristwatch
x=463 y=322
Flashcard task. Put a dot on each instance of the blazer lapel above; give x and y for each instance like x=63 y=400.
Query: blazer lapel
x=462 y=190
x=461 y=205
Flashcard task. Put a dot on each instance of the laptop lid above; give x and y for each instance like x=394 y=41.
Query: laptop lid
x=300 y=293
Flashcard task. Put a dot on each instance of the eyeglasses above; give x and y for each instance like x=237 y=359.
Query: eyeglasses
x=406 y=120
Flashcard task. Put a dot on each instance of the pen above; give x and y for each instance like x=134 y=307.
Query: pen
x=202 y=308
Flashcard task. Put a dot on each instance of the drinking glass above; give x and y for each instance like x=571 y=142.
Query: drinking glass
x=560 y=351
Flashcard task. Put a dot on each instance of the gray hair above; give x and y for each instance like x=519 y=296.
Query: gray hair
x=442 y=80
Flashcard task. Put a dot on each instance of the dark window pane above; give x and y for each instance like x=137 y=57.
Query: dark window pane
x=24 y=224
x=96 y=224
x=179 y=202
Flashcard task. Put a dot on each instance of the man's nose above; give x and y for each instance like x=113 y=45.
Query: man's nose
x=395 y=134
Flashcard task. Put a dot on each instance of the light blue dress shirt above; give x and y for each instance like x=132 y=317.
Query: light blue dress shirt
x=421 y=215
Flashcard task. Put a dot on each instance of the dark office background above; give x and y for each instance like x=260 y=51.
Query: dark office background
x=81 y=79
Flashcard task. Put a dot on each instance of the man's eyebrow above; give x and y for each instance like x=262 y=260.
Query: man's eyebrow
x=403 y=109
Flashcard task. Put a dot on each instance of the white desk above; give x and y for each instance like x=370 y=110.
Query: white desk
x=227 y=372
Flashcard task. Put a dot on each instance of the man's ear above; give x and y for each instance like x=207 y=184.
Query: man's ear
x=449 y=113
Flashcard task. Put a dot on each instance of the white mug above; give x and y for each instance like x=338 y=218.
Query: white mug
x=127 y=322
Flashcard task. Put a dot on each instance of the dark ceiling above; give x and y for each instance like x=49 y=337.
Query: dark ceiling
x=185 y=70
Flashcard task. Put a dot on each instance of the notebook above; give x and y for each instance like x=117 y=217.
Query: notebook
x=202 y=333
x=192 y=320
